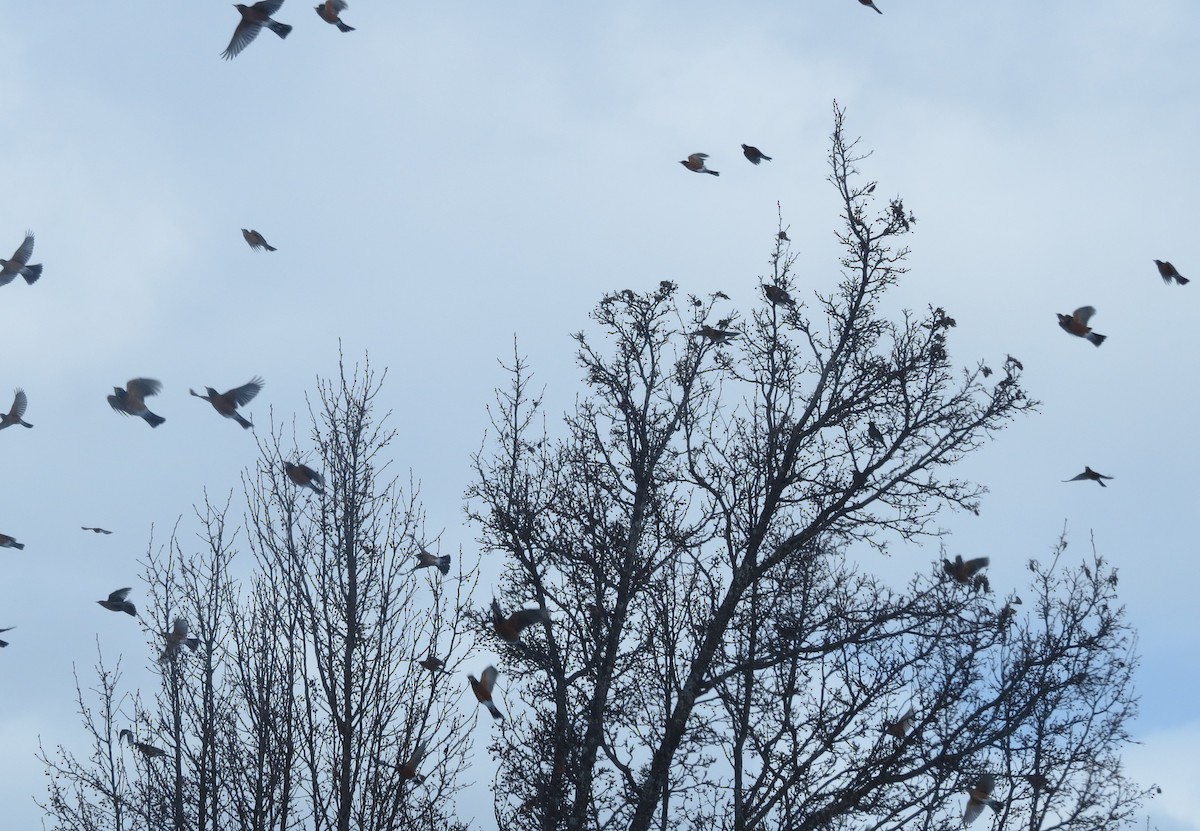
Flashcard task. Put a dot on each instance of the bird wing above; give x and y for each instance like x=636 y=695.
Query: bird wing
x=141 y=387
x=973 y=810
x=20 y=402
x=119 y=595
x=488 y=678
x=528 y=617
x=1084 y=313
x=338 y=6
x=179 y=629
x=246 y=392
x=243 y=36
x=267 y=7
x=117 y=404
x=23 y=253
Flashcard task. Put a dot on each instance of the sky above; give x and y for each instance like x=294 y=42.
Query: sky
x=450 y=176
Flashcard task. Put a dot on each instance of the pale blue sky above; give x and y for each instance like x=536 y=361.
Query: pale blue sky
x=451 y=174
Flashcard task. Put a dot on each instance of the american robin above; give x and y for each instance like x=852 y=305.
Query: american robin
x=783 y=237
x=226 y=403
x=964 y=571
x=1009 y=360
x=256 y=240
x=253 y=19
x=132 y=399
x=4 y=643
x=8 y=542
x=1038 y=782
x=147 y=750
x=13 y=416
x=433 y=664
x=19 y=264
x=870 y=4
x=716 y=335
x=985 y=371
x=873 y=433
x=1087 y=474
x=980 y=794
x=330 y=11
x=510 y=628
x=1076 y=324
x=117 y=603
x=304 y=476
x=1168 y=273
x=754 y=154
x=695 y=162
x=95 y=530
x=425 y=559
x=900 y=727
x=779 y=296
x=176 y=638
x=483 y=690
x=408 y=770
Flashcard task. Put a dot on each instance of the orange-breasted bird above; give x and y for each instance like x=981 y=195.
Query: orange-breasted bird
x=963 y=571
x=870 y=4
x=95 y=530
x=4 y=643
x=19 y=264
x=510 y=628
x=754 y=154
x=13 y=416
x=331 y=10
x=226 y=403
x=117 y=602
x=425 y=559
x=9 y=542
x=695 y=162
x=177 y=637
x=1077 y=324
x=1168 y=273
x=482 y=687
x=1089 y=474
x=900 y=727
x=304 y=476
x=408 y=770
x=979 y=795
x=256 y=240
x=779 y=296
x=253 y=19
x=132 y=399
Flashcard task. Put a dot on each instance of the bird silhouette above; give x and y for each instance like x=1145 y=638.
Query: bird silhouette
x=1168 y=273
x=778 y=296
x=510 y=628
x=695 y=162
x=253 y=19
x=716 y=335
x=783 y=237
x=256 y=240
x=964 y=571
x=433 y=664
x=754 y=154
x=425 y=559
x=9 y=542
x=226 y=403
x=330 y=11
x=482 y=687
x=132 y=399
x=13 y=416
x=304 y=476
x=870 y=4
x=4 y=643
x=408 y=770
x=177 y=637
x=1077 y=324
x=900 y=727
x=874 y=435
x=95 y=530
x=117 y=602
x=979 y=795
x=19 y=264
x=147 y=750
x=1089 y=474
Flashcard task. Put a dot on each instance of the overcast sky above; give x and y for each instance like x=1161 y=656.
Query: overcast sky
x=451 y=174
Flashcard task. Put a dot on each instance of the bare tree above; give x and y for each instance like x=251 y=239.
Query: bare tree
x=715 y=655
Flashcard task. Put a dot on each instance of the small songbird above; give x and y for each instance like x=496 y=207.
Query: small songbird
x=870 y=4
x=147 y=750
x=176 y=638
x=754 y=154
x=964 y=571
x=13 y=416
x=900 y=727
x=425 y=559
x=4 y=643
x=510 y=628
x=19 y=264
x=330 y=11
x=9 y=542
x=874 y=435
x=980 y=794
x=256 y=240
x=95 y=530
x=132 y=399
x=253 y=19
x=117 y=603
x=1168 y=273
x=783 y=237
x=716 y=335
x=226 y=403
x=779 y=296
x=482 y=687
x=433 y=664
x=408 y=770
x=1076 y=324
x=304 y=476
x=695 y=162
x=1087 y=474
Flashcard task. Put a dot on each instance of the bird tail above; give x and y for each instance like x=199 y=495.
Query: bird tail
x=193 y=643
x=494 y=710
x=31 y=273
x=152 y=419
x=283 y=30
x=713 y=172
x=24 y=423
x=245 y=424
x=1183 y=281
x=18 y=545
x=443 y=564
x=1096 y=339
x=130 y=610
x=344 y=28
x=765 y=156
x=3 y=644
x=269 y=247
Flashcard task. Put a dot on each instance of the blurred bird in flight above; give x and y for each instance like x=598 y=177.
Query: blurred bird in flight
x=256 y=240
x=132 y=399
x=331 y=10
x=1089 y=474
x=226 y=403
x=754 y=154
x=695 y=162
x=117 y=602
x=253 y=19
x=510 y=628
x=1168 y=273
x=1076 y=323
x=13 y=416
x=304 y=476
x=482 y=687
x=19 y=264
x=425 y=559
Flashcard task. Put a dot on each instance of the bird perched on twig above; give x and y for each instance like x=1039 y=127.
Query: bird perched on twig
x=754 y=154
x=783 y=237
x=482 y=687
x=4 y=643
x=716 y=335
x=433 y=664
x=900 y=727
x=19 y=264
x=95 y=530
x=13 y=416
x=304 y=476
x=870 y=4
x=964 y=571
x=256 y=240
x=9 y=542
x=980 y=794
x=778 y=296
x=874 y=434
x=510 y=628
x=695 y=162
x=253 y=19
x=147 y=750
x=1077 y=324
x=425 y=559
x=132 y=399
x=331 y=10
x=176 y=638
x=117 y=602
x=1089 y=474
x=226 y=403
x=1168 y=273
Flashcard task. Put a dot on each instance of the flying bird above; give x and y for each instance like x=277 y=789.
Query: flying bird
x=425 y=559
x=964 y=571
x=778 y=295
x=331 y=10
x=117 y=603
x=176 y=638
x=695 y=162
x=253 y=19
x=132 y=399
x=9 y=542
x=980 y=794
x=1089 y=474
x=19 y=264
x=510 y=628
x=870 y=4
x=13 y=416
x=754 y=154
x=408 y=770
x=304 y=476
x=1076 y=324
x=483 y=690
x=4 y=643
x=256 y=240
x=1168 y=273
x=900 y=727
x=95 y=530
x=226 y=403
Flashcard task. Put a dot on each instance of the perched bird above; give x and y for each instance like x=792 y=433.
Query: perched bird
x=176 y=638
x=147 y=750
x=510 y=628
x=304 y=476
x=256 y=240
x=433 y=664
x=716 y=335
x=13 y=416
x=873 y=434
x=964 y=571
x=1087 y=474
x=483 y=690
x=754 y=154
x=783 y=237
x=117 y=603
x=900 y=727
x=695 y=162
x=19 y=264
x=132 y=399
x=253 y=19
x=95 y=530
x=1076 y=324
x=870 y=4
x=226 y=403
x=425 y=559
x=980 y=794
x=330 y=12
x=8 y=542
x=778 y=295
x=4 y=643
x=1038 y=782
x=1168 y=273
